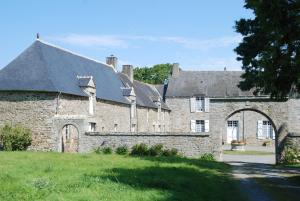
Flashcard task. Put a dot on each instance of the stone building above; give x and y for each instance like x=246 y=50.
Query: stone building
x=76 y=104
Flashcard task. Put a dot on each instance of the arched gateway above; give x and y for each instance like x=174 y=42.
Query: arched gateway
x=274 y=114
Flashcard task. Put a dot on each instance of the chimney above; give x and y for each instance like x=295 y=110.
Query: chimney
x=175 y=70
x=112 y=60
x=128 y=70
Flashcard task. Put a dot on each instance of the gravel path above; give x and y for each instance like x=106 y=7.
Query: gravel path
x=255 y=173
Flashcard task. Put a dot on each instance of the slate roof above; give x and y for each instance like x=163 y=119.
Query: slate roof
x=44 y=67
x=145 y=93
x=215 y=84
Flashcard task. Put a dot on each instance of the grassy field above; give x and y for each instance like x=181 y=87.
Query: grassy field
x=56 y=176
x=247 y=152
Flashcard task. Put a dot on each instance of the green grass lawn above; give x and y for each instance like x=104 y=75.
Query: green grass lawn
x=247 y=152
x=56 y=176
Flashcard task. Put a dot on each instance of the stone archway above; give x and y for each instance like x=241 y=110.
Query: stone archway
x=69 y=138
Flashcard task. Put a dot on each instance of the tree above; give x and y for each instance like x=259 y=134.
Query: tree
x=153 y=75
x=270 y=48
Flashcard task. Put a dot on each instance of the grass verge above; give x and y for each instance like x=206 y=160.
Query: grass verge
x=56 y=176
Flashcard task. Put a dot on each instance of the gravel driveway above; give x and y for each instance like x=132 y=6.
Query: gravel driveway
x=257 y=175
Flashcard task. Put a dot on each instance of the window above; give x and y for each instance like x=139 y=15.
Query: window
x=115 y=127
x=265 y=130
x=200 y=126
x=199 y=104
x=92 y=127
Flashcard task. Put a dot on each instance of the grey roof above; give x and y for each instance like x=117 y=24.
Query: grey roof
x=146 y=94
x=43 y=67
x=84 y=81
x=216 y=84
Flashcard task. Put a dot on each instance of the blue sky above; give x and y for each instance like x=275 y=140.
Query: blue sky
x=198 y=34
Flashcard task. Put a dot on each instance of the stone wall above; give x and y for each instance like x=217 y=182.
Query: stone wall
x=187 y=144
x=34 y=111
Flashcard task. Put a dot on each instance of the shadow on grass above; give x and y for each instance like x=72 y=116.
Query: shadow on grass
x=190 y=180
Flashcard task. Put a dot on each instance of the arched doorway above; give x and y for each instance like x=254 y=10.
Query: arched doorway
x=256 y=129
x=69 y=138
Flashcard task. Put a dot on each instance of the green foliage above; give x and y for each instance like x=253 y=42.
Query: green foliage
x=103 y=150
x=15 y=138
x=207 y=157
x=107 y=150
x=291 y=154
x=156 y=150
x=170 y=152
x=153 y=75
x=122 y=150
x=140 y=150
x=270 y=50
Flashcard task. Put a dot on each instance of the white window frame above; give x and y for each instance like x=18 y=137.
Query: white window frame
x=200 y=104
x=92 y=127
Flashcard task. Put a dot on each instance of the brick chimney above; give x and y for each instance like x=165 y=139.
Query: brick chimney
x=175 y=70
x=128 y=70
x=113 y=61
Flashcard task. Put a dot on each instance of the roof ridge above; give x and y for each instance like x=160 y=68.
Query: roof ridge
x=211 y=71
x=74 y=53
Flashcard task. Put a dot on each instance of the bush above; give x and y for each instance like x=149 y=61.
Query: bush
x=140 y=150
x=207 y=157
x=122 y=150
x=107 y=150
x=98 y=150
x=156 y=150
x=291 y=155
x=174 y=152
x=16 y=138
x=170 y=152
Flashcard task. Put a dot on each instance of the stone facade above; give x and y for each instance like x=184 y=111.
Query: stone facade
x=32 y=110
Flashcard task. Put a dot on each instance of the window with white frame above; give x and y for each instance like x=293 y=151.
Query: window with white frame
x=200 y=126
x=265 y=130
x=91 y=104
x=92 y=127
x=199 y=104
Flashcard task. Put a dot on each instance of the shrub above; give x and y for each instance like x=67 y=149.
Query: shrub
x=98 y=150
x=174 y=152
x=140 y=150
x=207 y=157
x=107 y=150
x=156 y=150
x=122 y=150
x=291 y=155
x=16 y=138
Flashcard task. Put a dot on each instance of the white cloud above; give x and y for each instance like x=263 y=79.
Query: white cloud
x=90 y=40
x=125 y=41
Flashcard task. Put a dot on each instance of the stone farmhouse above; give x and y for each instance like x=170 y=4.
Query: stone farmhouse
x=75 y=104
